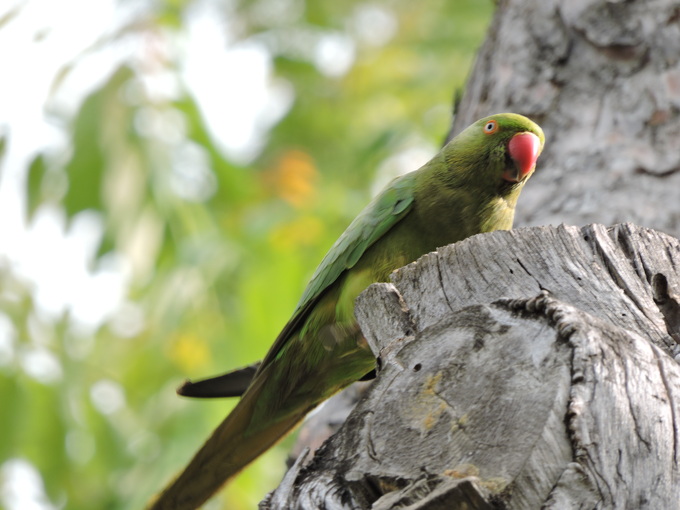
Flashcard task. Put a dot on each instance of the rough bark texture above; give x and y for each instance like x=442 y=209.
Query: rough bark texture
x=602 y=77
x=524 y=369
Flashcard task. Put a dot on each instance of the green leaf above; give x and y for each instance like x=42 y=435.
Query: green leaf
x=3 y=146
x=34 y=183
x=101 y=125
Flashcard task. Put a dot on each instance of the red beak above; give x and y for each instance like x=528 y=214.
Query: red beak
x=524 y=149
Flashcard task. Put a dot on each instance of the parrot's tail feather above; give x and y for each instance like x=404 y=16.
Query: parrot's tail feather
x=231 y=447
x=231 y=384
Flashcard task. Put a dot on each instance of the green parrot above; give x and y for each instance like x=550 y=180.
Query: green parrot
x=470 y=186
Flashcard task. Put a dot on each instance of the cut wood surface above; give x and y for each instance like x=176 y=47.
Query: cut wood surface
x=524 y=369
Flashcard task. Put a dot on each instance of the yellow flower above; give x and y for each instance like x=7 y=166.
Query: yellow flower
x=189 y=352
x=294 y=178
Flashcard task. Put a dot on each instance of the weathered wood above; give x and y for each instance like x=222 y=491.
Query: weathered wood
x=562 y=394
x=604 y=271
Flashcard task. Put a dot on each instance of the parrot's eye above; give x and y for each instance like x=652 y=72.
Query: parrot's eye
x=491 y=127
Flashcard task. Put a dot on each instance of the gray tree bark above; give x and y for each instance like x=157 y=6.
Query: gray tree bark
x=565 y=396
x=602 y=77
x=534 y=368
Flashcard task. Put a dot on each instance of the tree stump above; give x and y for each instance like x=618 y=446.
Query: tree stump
x=532 y=368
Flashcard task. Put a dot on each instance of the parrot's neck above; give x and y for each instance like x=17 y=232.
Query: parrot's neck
x=497 y=213
x=472 y=205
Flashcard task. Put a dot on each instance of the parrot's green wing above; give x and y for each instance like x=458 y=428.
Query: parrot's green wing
x=379 y=216
x=371 y=224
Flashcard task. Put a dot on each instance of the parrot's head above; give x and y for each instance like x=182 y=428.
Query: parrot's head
x=500 y=148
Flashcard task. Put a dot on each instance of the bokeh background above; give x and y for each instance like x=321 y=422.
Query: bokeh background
x=172 y=171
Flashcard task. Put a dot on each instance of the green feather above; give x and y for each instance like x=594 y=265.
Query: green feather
x=370 y=225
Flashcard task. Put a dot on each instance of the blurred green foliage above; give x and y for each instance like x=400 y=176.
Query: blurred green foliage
x=214 y=276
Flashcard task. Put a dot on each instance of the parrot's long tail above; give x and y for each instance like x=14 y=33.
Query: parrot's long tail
x=231 y=447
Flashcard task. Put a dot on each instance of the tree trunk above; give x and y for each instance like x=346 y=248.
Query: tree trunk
x=525 y=369
x=602 y=77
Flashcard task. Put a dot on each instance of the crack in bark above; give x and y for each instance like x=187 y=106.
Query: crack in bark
x=633 y=415
x=661 y=175
x=669 y=393
x=441 y=284
x=611 y=267
x=619 y=471
x=370 y=447
x=519 y=261
x=372 y=453
x=670 y=256
x=667 y=304
x=632 y=254
x=596 y=477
